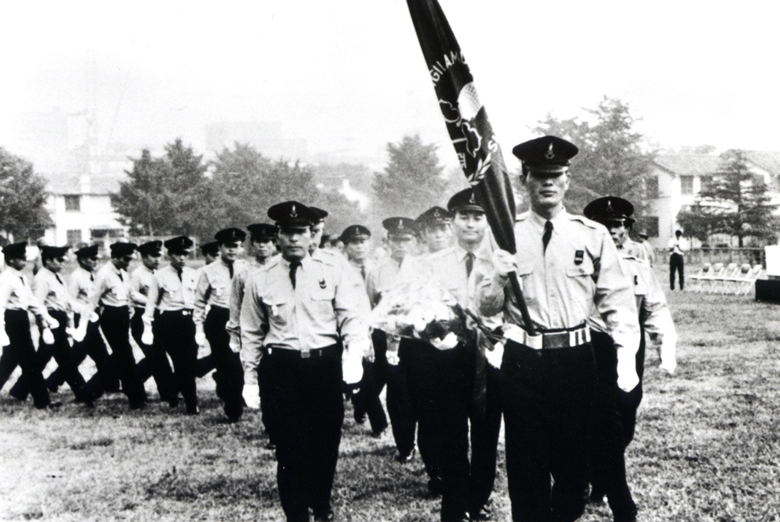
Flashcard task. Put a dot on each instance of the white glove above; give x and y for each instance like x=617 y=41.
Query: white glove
x=352 y=370
x=626 y=369
x=495 y=355
x=52 y=322
x=200 y=338
x=669 y=366
x=80 y=333
x=93 y=317
x=147 y=337
x=235 y=343
x=369 y=356
x=47 y=337
x=449 y=342
x=251 y=393
x=504 y=262
x=4 y=340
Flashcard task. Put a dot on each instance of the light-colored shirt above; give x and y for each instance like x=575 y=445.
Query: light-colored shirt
x=233 y=326
x=16 y=294
x=111 y=288
x=676 y=246
x=50 y=290
x=170 y=292
x=327 y=304
x=385 y=276
x=80 y=284
x=580 y=269
x=140 y=281
x=214 y=287
x=652 y=308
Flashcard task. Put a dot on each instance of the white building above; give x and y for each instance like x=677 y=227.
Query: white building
x=676 y=179
x=81 y=209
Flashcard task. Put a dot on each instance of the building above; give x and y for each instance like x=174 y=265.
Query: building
x=80 y=207
x=676 y=180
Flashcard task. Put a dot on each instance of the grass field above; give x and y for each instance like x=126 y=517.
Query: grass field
x=707 y=445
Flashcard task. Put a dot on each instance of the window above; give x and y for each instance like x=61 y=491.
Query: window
x=650 y=224
x=72 y=203
x=686 y=184
x=651 y=187
x=74 y=237
x=706 y=181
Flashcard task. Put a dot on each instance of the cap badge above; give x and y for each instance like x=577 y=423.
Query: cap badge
x=400 y=224
x=609 y=205
x=293 y=212
x=549 y=154
x=471 y=200
x=436 y=213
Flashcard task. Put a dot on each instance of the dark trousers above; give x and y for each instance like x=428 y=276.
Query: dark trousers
x=155 y=363
x=267 y=402
x=677 y=263
x=485 y=429
x=416 y=364
x=115 y=323
x=307 y=412
x=608 y=444
x=399 y=404
x=105 y=378
x=62 y=353
x=444 y=386
x=174 y=332
x=367 y=401
x=229 y=372
x=546 y=400
x=21 y=352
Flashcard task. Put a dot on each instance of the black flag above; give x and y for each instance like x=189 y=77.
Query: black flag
x=467 y=123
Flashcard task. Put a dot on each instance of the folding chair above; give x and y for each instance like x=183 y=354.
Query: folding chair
x=706 y=282
x=720 y=283
x=696 y=279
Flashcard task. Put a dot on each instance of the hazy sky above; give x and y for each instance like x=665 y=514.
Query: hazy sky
x=348 y=75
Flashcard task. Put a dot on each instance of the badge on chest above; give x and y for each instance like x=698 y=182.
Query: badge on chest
x=579 y=255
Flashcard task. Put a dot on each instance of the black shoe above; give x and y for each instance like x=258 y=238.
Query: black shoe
x=596 y=497
x=436 y=486
x=406 y=458
x=360 y=419
x=378 y=433
x=325 y=517
x=483 y=513
x=193 y=410
x=138 y=405
x=51 y=406
x=270 y=446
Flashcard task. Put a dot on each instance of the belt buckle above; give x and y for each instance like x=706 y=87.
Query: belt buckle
x=305 y=353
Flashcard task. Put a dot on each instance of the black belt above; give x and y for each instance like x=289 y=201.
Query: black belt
x=184 y=311
x=302 y=354
x=564 y=338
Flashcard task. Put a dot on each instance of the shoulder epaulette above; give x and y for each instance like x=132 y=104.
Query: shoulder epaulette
x=585 y=221
x=522 y=216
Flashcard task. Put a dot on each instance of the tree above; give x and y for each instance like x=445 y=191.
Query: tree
x=733 y=202
x=22 y=198
x=164 y=194
x=412 y=180
x=612 y=161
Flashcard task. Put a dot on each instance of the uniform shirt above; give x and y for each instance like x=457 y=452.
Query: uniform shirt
x=50 y=290
x=327 y=304
x=634 y=249
x=233 y=326
x=579 y=270
x=652 y=308
x=364 y=269
x=385 y=276
x=140 y=281
x=80 y=285
x=111 y=287
x=16 y=294
x=170 y=292
x=214 y=287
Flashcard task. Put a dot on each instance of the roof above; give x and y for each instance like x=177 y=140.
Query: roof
x=64 y=184
x=688 y=164
x=706 y=164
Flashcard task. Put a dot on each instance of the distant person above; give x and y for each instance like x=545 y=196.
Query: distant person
x=676 y=260
x=648 y=247
x=435 y=226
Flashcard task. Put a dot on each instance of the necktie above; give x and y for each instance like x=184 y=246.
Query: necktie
x=548 y=228
x=469 y=263
x=120 y=276
x=59 y=280
x=178 y=273
x=363 y=272
x=92 y=277
x=293 y=267
x=230 y=269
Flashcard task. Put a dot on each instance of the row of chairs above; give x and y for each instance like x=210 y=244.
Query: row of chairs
x=724 y=279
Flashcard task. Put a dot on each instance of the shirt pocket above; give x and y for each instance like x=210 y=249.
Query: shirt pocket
x=524 y=272
x=278 y=310
x=322 y=301
x=219 y=292
x=580 y=285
